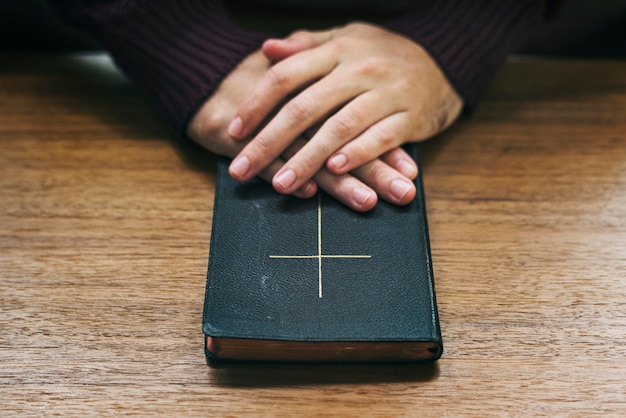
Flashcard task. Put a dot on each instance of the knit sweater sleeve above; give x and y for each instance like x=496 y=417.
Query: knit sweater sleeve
x=471 y=39
x=177 y=50
x=180 y=50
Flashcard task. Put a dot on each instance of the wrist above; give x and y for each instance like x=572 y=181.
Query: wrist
x=178 y=52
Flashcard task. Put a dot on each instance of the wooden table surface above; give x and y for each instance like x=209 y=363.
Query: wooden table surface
x=105 y=220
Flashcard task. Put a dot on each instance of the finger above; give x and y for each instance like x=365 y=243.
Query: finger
x=341 y=128
x=346 y=188
x=388 y=183
x=309 y=189
x=401 y=161
x=379 y=138
x=296 y=116
x=281 y=80
x=278 y=49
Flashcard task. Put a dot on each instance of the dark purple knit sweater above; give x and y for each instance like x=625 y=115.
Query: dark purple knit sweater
x=180 y=50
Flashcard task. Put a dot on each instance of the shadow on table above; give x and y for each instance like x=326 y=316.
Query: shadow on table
x=90 y=85
x=254 y=375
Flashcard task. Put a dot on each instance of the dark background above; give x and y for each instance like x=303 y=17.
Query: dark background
x=583 y=28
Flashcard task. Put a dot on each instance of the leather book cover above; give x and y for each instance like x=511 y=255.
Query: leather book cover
x=311 y=280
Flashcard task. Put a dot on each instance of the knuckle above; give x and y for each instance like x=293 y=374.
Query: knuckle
x=248 y=111
x=372 y=171
x=205 y=125
x=277 y=77
x=362 y=151
x=403 y=84
x=196 y=129
x=437 y=125
x=372 y=66
x=340 y=45
x=428 y=121
x=309 y=161
x=264 y=146
x=385 y=137
x=344 y=125
x=432 y=125
x=309 y=164
x=359 y=153
x=298 y=108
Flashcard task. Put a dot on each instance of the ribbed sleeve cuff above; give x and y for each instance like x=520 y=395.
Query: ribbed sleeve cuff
x=177 y=50
x=469 y=39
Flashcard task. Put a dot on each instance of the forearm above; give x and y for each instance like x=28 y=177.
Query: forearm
x=177 y=50
x=471 y=39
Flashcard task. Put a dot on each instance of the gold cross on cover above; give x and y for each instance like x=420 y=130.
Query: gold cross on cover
x=319 y=256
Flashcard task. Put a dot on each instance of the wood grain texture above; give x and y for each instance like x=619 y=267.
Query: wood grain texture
x=104 y=235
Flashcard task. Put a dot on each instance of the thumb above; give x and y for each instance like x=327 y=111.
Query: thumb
x=278 y=49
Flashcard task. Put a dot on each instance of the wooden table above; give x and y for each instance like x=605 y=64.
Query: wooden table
x=105 y=221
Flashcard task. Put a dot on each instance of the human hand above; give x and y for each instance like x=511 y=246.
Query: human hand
x=357 y=190
x=208 y=127
x=371 y=89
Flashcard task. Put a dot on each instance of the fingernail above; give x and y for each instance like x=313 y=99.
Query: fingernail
x=361 y=195
x=240 y=166
x=286 y=178
x=399 y=188
x=235 y=128
x=407 y=168
x=339 y=160
x=308 y=189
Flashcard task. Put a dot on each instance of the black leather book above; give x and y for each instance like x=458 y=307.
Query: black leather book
x=311 y=280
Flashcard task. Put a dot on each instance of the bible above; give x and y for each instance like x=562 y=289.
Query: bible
x=310 y=280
